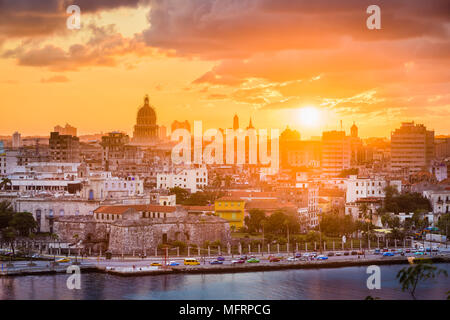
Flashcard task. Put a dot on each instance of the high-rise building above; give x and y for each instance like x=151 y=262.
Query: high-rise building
x=412 y=148
x=68 y=130
x=145 y=130
x=336 y=152
x=16 y=140
x=64 y=148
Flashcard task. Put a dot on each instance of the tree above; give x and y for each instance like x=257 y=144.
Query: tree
x=280 y=221
x=9 y=235
x=181 y=194
x=6 y=214
x=254 y=220
x=335 y=224
x=444 y=223
x=23 y=222
x=409 y=277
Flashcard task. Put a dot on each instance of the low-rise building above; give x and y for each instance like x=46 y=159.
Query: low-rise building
x=231 y=209
x=193 y=179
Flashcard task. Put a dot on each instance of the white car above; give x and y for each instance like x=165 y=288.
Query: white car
x=292 y=259
x=306 y=255
x=339 y=253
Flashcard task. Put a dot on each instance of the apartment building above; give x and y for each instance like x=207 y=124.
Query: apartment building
x=412 y=148
x=336 y=153
x=193 y=179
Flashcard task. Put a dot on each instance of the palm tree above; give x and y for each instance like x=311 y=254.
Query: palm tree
x=55 y=237
x=366 y=214
x=411 y=276
x=76 y=237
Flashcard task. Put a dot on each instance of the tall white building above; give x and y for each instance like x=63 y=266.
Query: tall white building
x=192 y=179
x=16 y=140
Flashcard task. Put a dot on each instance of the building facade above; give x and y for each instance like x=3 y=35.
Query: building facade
x=412 y=148
x=64 y=148
x=336 y=153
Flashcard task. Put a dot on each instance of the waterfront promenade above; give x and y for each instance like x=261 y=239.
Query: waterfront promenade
x=131 y=266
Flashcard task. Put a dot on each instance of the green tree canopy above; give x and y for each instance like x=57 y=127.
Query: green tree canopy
x=6 y=214
x=254 y=220
x=23 y=222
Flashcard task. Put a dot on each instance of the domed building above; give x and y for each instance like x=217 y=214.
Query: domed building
x=146 y=129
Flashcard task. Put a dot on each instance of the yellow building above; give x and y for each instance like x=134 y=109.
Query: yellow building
x=231 y=209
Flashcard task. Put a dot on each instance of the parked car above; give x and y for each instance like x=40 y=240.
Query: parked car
x=298 y=255
x=293 y=259
x=346 y=253
x=155 y=264
x=339 y=254
x=274 y=260
x=220 y=259
x=377 y=251
x=237 y=261
x=63 y=260
x=216 y=262
x=435 y=249
x=253 y=260
x=408 y=250
x=388 y=254
x=173 y=264
x=330 y=254
x=419 y=253
x=243 y=257
x=354 y=253
x=322 y=257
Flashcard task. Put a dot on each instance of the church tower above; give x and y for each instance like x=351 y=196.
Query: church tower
x=354 y=131
x=235 y=122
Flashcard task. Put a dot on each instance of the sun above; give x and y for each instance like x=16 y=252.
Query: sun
x=309 y=116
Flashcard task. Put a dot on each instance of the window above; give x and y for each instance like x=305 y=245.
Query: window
x=61 y=212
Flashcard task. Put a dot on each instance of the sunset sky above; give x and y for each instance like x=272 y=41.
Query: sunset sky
x=273 y=60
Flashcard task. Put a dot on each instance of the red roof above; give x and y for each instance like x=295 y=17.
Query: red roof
x=199 y=208
x=122 y=209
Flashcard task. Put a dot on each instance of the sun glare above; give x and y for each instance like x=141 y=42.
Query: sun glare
x=309 y=116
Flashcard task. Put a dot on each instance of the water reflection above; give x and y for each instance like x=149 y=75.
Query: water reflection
x=342 y=283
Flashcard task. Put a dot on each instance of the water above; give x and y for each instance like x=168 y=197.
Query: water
x=340 y=283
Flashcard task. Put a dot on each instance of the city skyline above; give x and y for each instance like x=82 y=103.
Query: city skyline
x=326 y=67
